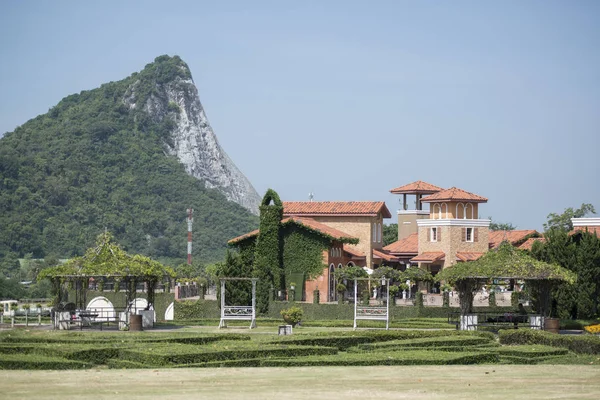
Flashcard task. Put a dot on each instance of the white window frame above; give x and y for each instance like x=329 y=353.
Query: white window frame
x=433 y=234
x=472 y=234
x=374 y=235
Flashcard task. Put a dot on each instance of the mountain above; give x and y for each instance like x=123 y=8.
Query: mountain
x=192 y=139
x=130 y=156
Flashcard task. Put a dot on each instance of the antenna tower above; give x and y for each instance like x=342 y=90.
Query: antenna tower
x=190 y=220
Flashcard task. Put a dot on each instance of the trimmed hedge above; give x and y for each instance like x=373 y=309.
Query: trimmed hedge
x=406 y=357
x=584 y=344
x=345 y=340
x=197 y=309
x=531 y=351
x=74 y=337
x=34 y=361
x=432 y=342
x=115 y=363
x=170 y=355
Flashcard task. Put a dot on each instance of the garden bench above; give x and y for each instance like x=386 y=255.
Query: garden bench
x=237 y=313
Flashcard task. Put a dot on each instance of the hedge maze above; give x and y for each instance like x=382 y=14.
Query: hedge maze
x=20 y=349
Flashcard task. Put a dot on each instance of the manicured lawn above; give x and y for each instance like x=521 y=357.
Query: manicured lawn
x=375 y=382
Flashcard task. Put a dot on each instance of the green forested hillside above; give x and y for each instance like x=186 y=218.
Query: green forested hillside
x=92 y=163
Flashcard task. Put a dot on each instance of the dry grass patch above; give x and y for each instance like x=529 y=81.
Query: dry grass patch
x=414 y=382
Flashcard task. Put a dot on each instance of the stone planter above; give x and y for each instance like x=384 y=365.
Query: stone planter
x=147 y=318
x=468 y=322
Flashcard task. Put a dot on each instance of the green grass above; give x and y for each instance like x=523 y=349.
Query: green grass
x=453 y=382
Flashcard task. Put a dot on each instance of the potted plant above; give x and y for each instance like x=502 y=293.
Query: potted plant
x=292 y=315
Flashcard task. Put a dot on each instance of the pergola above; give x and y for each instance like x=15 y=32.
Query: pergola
x=107 y=262
x=506 y=262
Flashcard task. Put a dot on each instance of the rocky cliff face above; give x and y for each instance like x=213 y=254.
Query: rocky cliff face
x=192 y=139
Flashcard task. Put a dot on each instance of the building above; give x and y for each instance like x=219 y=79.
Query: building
x=591 y=225
x=360 y=219
x=445 y=228
x=350 y=233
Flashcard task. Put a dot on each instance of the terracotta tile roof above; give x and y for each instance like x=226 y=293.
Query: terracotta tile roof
x=306 y=222
x=408 y=245
x=429 y=257
x=591 y=229
x=418 y=187
x=353 y=251
x=384 y=256
x=244 y=236
x=513 y=237
x=329 y=208
x=455 y=194
x=468 y=256
x=528 y=244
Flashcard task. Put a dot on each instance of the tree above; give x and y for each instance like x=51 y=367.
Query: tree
x=563 y=221
x=390 y=234
x=579 y=253
x=509 y=263
x=236 y=292
x=11 y=289
x=9 y=266
x=501 y=226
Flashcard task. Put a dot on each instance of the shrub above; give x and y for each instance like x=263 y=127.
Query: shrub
x=292 y=315
x=577 y=344
x=595 y=329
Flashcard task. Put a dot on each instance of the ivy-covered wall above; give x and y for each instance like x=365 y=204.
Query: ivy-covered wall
x=267 y=257
x=197 y=309
x=303 y=251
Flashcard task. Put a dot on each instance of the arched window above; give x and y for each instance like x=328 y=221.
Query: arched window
x=444 y=211
x=460 y=211
x=469 y=211
x=350 y=264
x=379 y=232
x=437 y=211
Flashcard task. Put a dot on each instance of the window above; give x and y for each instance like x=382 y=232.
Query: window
x=434 y=234
x=374 y=228
x=379 y=232
x=469 y=234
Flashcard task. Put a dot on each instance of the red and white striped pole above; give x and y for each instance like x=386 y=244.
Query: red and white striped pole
x=190 y=219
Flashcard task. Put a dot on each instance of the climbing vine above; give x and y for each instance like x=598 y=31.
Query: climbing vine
x=267 y=257
x=108 y=260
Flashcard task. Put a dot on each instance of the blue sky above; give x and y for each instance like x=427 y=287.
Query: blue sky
x=350 y=99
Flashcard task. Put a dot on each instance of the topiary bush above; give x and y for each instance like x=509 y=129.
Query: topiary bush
x=292 y=315
x=586 y=344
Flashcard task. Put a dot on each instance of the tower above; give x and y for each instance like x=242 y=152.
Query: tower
x=190 y=220
x=407 y=218
x=453 y=232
